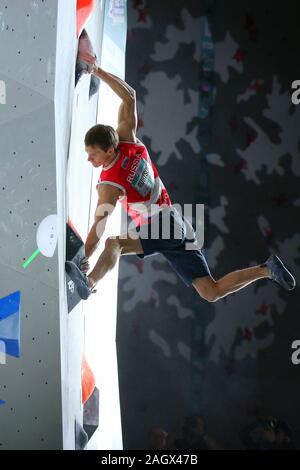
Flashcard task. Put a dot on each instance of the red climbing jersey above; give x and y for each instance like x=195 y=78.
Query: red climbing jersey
x=135 y=174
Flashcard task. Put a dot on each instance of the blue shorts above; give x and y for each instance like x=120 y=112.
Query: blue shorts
x=187 y=263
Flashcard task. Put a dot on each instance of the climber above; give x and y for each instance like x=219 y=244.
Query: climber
x=128 y=175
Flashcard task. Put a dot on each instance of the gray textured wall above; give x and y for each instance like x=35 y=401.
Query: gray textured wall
x=41 y=388
x=230 y=360
x=30 y=385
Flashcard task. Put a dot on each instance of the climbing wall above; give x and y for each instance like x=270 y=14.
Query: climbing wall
x=38 y=42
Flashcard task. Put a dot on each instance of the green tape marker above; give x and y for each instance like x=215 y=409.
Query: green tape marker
x=32 y=257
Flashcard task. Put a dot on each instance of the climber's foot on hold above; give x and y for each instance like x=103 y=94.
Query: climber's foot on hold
x=80 y=280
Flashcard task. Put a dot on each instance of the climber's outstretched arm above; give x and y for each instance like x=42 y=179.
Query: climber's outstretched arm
x=127 y=119
x=108 y=196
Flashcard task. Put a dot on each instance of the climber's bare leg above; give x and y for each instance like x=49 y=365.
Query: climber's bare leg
x=212 y=290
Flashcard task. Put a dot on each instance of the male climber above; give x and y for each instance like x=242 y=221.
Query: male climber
x=128 y=175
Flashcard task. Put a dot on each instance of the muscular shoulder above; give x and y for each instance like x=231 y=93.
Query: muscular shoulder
x=109 y=192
